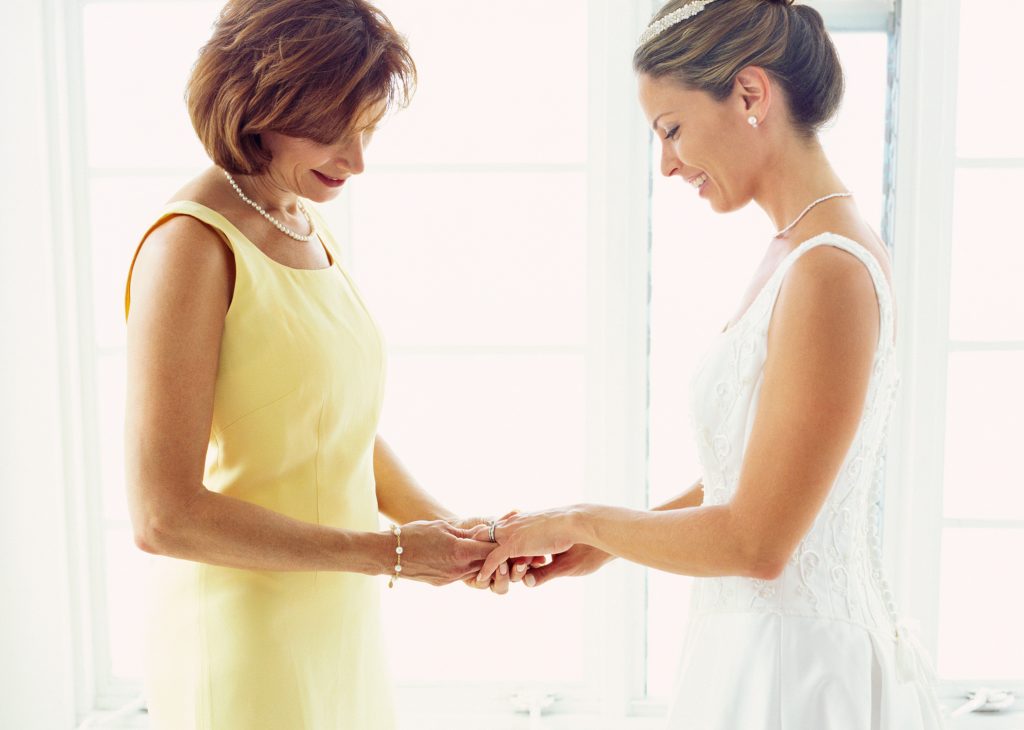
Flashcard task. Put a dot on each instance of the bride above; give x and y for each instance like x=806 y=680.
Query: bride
x=793 y=626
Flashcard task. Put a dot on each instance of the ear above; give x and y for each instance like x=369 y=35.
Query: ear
x=753 y=89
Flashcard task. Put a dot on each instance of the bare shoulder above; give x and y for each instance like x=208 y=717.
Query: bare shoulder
x=828 y=295
x=183 y=257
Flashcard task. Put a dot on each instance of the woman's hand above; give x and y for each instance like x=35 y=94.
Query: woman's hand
x=507 y=572
x=439 y=553
x=538 y=533
x=579 y=560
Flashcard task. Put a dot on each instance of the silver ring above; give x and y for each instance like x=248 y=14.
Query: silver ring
x=490 y=530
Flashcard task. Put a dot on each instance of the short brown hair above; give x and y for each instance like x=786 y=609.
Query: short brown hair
x=790 y=42
x=304 y=68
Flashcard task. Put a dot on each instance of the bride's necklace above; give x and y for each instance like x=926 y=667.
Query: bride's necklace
x=808 y=208
x=280 y=226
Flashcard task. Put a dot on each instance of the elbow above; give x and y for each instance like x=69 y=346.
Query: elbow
x=152 y=533
x=758 y=555
x=148 y=536
x=765 y=566
x=157 y=524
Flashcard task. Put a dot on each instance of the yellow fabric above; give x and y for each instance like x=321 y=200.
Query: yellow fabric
x=298 y=396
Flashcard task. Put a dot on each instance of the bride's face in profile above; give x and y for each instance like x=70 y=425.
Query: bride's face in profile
x=706 y=142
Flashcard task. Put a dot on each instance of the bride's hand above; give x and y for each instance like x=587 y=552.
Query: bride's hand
x=578 y=560
x=538 y=533
x=507 y=572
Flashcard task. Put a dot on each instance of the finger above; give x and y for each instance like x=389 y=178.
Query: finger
x=500 y=583
x=470 y=576
x=498 y=556
x=480 y=533
x=539 y=576
x=519 y=568
x=476 y=549
x=464 y=533
x=539 y=561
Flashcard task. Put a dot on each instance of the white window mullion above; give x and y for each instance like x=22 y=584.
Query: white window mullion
x=618 y=232
x=924 y=187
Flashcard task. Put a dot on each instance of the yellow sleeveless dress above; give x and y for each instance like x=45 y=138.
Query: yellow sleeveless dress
x=298 y=395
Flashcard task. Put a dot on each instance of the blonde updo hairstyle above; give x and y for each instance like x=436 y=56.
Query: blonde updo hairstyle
x=707 y=51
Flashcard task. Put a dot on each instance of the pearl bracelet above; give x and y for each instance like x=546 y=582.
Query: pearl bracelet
x=397 y=532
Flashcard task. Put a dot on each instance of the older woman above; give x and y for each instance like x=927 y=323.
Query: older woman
x=793 y=625
x=255 y=377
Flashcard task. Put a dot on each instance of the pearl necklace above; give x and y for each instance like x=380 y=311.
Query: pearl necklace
x=781 y=233
x=280 y=226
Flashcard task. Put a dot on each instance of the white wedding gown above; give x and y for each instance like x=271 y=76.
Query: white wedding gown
x=821 y=646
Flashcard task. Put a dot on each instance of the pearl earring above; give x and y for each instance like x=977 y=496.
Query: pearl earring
x=752 y=121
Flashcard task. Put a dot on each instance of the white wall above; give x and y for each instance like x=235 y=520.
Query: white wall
x=36 y=680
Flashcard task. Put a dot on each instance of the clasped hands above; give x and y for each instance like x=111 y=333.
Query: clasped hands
x=531 y=548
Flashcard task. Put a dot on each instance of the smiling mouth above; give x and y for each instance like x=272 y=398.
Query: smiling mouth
x=328 y=180
x=698 y=181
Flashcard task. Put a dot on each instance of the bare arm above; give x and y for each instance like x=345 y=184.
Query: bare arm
x=821 y=344
x=581 y=559
x=181 y=286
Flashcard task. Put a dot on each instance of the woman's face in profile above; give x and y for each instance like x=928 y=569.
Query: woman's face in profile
x=317 y=171
x=699 y=138
x=312 y=170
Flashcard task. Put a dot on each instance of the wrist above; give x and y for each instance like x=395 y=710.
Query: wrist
x=579 y=524
x=369 y=553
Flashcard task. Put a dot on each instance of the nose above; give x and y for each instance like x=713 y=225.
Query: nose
x=670 y=162
x=351 y=154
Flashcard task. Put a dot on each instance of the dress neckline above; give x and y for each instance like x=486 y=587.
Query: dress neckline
x=729 y=328
x=229 y=225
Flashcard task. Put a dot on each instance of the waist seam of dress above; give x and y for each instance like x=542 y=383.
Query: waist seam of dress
x=880 y=631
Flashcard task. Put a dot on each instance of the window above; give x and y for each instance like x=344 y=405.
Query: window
x=980 y=634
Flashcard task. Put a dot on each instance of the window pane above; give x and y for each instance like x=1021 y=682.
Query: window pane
x=126 y=568
x=490 y=95
x=984 y=424
x=490 y=433
x=981 y=635
x=701 y=267
x=486 y=434
x=137 y=57
x=474 y=259
x=110 y=399
x=986 y=297
x=855 y=141
x=989 y=118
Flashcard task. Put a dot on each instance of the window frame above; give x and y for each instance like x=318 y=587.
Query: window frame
x=926 y=162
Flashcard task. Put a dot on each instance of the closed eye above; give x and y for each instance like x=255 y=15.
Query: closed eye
x=671 y=134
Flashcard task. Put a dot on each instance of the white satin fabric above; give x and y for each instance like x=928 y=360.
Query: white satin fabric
x=821 y=646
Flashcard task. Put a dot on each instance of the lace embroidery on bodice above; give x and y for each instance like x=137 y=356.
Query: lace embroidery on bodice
x=836 y=571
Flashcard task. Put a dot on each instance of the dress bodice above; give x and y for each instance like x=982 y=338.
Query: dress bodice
x=835 y=571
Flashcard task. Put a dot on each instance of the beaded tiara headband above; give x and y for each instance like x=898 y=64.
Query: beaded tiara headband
x=660 y=25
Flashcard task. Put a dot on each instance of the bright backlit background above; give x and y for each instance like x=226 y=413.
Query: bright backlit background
x=527 y=312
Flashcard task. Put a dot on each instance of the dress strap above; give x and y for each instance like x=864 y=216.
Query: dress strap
x=887 y=329
x=227 y=230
